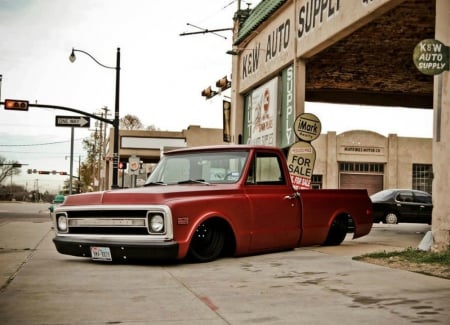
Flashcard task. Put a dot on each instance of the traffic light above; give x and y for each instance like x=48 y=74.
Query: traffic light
x=223 y=83
x=208 y=93
x=16 y=105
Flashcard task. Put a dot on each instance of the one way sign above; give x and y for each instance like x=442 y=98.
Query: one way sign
x=77 y=121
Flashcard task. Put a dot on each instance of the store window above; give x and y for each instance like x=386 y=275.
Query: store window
x=422 y=177
x=374 y=168
x=316 y=182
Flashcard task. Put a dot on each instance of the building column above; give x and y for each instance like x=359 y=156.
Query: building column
x=391 y=175
x=332 y=177
x=300 y=85
x=441 y=139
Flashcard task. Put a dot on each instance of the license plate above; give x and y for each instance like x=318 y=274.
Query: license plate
x=101 y=253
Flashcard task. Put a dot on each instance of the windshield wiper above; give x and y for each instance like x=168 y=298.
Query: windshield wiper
x=154 y=183
x=199 y=181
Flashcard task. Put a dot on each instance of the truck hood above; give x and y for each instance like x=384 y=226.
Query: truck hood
x=157 y=194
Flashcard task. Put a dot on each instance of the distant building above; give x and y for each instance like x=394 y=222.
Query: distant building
x=353 y=159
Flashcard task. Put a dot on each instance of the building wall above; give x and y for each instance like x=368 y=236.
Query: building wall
x=397 y=154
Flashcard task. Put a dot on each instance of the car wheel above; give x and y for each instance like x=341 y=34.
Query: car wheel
x=337 y=232
x=207 y=242
x=391 y=218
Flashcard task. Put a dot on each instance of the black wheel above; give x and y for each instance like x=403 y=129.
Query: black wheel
x=207 y=242
x=391 y=218
x=338 y=231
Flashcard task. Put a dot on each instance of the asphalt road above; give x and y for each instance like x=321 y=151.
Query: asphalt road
x=309 y=285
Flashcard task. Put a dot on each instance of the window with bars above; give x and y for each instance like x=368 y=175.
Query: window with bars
x=422 y=177
x=358 y=167
x=316 y=182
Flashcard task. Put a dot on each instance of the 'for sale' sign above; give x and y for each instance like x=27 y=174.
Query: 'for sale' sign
x=301 y=159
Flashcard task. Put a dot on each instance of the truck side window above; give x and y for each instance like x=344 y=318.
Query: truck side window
x=266 y=169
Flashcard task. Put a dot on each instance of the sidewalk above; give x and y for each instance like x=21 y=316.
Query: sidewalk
x=313 y=285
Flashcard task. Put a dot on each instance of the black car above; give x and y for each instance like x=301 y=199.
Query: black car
x=402 y=205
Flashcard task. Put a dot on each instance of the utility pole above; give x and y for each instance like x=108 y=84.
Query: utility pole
x=105 y=116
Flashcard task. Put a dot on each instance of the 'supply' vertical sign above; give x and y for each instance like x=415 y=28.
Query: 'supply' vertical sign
x=302 y=155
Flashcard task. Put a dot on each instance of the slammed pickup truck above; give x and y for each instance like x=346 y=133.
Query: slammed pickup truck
x=203 y=203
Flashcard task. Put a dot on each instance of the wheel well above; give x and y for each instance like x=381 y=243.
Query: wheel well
x=338 y=230
x=396 y=212
x=350 y=222
x=344 y=217
x=230 y=240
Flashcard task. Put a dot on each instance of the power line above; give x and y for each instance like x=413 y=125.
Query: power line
x=38 y=144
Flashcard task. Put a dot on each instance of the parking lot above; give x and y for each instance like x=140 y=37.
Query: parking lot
x=310 y=285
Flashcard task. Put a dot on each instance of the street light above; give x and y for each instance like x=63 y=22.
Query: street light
x=72 y=58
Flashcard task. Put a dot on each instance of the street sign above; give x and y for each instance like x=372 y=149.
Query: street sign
x=74 y=121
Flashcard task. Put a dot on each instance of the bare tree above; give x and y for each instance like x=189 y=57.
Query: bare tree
x=130 y=122
x=152 y=128
x=8 y=168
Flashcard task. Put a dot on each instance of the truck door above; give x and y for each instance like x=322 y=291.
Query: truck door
x=275 y=219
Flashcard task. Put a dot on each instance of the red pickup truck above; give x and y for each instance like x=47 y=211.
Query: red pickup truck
x=202 y=203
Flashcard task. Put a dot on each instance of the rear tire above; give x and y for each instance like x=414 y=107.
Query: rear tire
x=337 y=232
x=207 y=243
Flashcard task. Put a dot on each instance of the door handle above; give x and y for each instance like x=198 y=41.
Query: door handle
x=292 y=197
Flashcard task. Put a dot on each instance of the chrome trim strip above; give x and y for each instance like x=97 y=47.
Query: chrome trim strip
x=107 y=221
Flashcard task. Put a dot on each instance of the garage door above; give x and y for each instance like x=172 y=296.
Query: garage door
x=373 y=183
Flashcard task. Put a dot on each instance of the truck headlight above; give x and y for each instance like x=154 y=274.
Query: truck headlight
x=156 y=223
x=61 y=222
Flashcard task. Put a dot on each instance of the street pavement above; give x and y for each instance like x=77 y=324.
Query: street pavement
x=310 y=285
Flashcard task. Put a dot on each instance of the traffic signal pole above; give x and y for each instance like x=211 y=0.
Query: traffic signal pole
x=114 y=123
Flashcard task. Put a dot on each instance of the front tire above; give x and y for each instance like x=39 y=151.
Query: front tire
x=337 y=232
x=207 y=243
x=391 y=218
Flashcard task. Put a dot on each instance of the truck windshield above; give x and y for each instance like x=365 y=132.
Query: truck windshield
x=199 y=168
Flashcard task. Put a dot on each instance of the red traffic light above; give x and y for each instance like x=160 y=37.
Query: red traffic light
x=16 y=105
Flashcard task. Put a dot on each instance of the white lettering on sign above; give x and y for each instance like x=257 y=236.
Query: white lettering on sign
x=289 y=103
x=431 y=57
x=68 y=120
x=369 y=150
x=313 y=13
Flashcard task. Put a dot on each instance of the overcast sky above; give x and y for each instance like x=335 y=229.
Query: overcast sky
x=162 y=74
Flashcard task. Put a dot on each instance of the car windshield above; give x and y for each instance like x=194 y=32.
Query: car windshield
x=199 y=168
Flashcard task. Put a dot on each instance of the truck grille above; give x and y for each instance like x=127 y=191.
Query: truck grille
x=108 y=222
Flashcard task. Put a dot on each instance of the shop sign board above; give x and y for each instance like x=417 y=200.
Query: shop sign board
x=307 y=127
x=431 y=57
x=261 y=115
x=300 y=160
x=302 y=155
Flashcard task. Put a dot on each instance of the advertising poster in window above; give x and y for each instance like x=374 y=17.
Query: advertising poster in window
x=262 y=114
